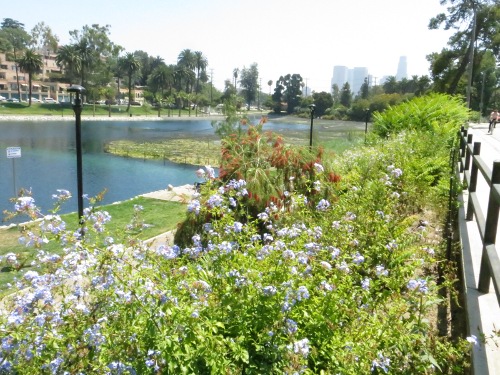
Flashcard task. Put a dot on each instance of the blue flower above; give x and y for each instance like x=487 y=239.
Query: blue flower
x=419 y=284
x=381 y=362
x=323 y=205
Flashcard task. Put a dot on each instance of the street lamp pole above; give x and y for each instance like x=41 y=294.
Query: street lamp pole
x=312 y=107
x=77 y=108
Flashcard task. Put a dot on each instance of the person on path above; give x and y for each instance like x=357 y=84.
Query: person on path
x=494 y=118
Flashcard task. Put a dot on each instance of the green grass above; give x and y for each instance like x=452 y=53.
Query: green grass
x=42 y=109
x=162 y=215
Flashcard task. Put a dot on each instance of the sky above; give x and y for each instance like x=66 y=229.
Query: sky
x=281 y=36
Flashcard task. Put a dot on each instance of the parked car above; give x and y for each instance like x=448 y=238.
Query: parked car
x=135 y=103
x=13 y=100
x=50 y=100
x=2 y=98
x=35 y=100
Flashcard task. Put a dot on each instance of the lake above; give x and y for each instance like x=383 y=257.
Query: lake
x=48 y=158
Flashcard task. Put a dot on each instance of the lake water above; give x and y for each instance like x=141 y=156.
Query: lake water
x=48 y=158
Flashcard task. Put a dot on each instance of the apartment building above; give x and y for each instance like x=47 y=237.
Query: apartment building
x=43 y=85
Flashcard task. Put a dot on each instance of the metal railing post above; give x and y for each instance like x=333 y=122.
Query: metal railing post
x=467 y=152
x=473 y=181
x=489 y=260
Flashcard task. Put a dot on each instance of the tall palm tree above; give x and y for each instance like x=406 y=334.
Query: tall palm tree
x=131 y=65
x=31 y=63
x=184 y=78
x=160 y=79
x=186 y=62
x=69 y=60
x=187 y=59
x=200 y=66
x=235 y=76
x=87 y=57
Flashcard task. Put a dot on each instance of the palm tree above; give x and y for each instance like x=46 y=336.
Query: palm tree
x=270 y=83
x=131 y=65
x=169 y=100
x=235 y=76
x=31 y=63
x=69 y=60
x=161 y=78
x=391 y=85
x=186 y=61
x=184 y=78
x=201 y=64
x=87 y=57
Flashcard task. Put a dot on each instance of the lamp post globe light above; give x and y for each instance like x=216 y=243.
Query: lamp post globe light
x=312 y=107
x=77 y=108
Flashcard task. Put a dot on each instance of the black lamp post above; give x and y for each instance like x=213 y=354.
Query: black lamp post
x=77 y=107
x=312 y=107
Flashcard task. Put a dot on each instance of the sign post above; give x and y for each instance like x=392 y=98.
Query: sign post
x=14 y=153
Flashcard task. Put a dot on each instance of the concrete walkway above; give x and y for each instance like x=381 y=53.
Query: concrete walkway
x=483 y=311
x=181 y=194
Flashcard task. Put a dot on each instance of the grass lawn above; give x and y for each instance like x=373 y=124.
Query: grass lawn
x=162 y=215
x=65 y=109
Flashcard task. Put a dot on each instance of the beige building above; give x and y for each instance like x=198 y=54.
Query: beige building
x=45 y=84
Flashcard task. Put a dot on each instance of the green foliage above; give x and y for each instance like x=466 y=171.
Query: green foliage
x=322 y=101
x=436 y=114
x=325 y=278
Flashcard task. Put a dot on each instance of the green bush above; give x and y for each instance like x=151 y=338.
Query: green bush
x=437 y=114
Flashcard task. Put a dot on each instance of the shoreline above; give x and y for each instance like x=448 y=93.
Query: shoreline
x=4 y=118
x=154 y=117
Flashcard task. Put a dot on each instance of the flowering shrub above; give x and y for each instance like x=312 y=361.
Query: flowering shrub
x=334 y=277
x=340 y=288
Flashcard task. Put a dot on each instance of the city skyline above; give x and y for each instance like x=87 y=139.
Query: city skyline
x=355 y=76
x=281 y=37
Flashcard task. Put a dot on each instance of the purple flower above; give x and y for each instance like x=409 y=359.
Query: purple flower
x=323 y=205
x=381 y=362
x=24 y=204
x=419 y=284
x=318 y=168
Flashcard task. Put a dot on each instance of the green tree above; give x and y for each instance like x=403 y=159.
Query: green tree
x=288 y=89
x=69 y=60
x=476 y=31
x=43 y=38
x=131 y=65
x=161 y=78
x=31 y=63
x=94 y=47
x=323 y=101
x=249 y=83
x=335 y=94
x=236 y=71
x=390 y=85
x=201 y=64
x=186 y=62
x=365 y=89
x=346 y=95
x=14 y=39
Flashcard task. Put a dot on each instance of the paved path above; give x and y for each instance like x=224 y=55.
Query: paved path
x=172 y=193
x=483 y=311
